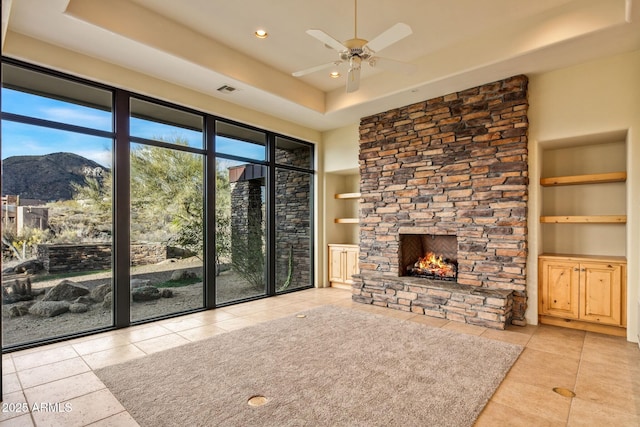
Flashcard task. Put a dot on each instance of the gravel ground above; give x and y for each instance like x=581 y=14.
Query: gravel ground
x=18 y=330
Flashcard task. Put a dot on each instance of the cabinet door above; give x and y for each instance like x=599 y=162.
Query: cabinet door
x=601 y=290
x=559 y=288
x=351 y=264
x=336 y=265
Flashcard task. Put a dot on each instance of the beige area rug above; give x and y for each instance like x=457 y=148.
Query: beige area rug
x=334 y=367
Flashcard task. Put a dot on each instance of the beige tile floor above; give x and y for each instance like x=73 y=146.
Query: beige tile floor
x=58 y=384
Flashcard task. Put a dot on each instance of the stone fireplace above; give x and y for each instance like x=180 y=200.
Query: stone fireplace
x=451 y=168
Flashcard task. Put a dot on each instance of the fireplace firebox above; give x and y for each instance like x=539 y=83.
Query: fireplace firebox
x=429 y=256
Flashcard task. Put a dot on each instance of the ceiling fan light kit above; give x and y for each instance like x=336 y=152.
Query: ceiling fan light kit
x=354 y=51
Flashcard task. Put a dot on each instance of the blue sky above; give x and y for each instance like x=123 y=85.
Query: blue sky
x=20 y=139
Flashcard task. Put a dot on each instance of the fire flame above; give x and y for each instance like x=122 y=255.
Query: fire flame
x=434 y=264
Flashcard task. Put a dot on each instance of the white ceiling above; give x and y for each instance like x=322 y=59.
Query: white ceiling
x=205 y=44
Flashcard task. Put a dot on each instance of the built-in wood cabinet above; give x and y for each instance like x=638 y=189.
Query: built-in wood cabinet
x=583 y=292
x=343 y=264
x=582 y=265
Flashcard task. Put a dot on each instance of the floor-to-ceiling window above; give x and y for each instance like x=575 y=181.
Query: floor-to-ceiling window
x=167 y=210
x=293 y=218
x=57 y=138
x=119 y=209
x=241 y=213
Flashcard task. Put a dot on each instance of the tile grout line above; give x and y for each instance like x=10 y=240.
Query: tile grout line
x=110 y=416
x=575 y=384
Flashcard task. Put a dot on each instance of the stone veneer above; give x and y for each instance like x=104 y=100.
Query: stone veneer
x=293 y=216
x=65 y=258
x=453 y=165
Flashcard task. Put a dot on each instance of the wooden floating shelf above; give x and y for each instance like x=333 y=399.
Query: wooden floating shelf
x=347 y=196
x=585 y=219
x=596 y=178
x=346 y=220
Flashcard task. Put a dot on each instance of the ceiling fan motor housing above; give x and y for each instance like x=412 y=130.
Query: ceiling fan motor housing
x=356 y=47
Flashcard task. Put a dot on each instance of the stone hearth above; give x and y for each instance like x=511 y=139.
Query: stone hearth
x=454 y=165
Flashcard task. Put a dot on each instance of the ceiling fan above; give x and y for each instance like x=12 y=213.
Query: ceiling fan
x=355 y=51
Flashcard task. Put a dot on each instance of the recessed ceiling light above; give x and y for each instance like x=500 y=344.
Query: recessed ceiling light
x=261 y=34
x=334 y=74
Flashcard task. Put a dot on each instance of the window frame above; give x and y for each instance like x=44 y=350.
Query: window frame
x=122 y=139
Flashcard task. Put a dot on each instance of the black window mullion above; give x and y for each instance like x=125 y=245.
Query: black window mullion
x=271 y=215
x=18 y=118
x=210 y=215
x=121 y=212
x=167 y=145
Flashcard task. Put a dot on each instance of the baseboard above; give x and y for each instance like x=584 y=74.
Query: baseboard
x=584 y=326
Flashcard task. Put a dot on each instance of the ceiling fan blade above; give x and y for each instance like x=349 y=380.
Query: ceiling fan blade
x=314 y=69
x=389 y=37
x=392 y=65
x=353 y=80
x=327 y=39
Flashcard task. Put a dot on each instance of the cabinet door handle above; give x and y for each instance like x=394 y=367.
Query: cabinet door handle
x=576 y=269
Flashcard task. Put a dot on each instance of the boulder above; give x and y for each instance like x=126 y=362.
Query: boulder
x=106 y=301
x=21 y=309
x=31 y=266
x=38 y=292
x=66 y=291
x=138 y=283
x=145 y=293
x=49 y=308
x=166 y=293
x=182 y=274
x=78 y=307
x=83 y=300
x=98 y=293
x=13 y=298
x=18 y=290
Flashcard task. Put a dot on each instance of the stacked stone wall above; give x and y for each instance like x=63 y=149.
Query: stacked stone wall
x=452 y=165
x=95 y=257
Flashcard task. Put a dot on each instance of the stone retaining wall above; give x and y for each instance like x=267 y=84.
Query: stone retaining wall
x=96 y=257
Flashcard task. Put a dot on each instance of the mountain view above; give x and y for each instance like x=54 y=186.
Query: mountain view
x=48 y=177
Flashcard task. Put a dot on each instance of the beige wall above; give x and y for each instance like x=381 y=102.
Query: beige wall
x=341 y=149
